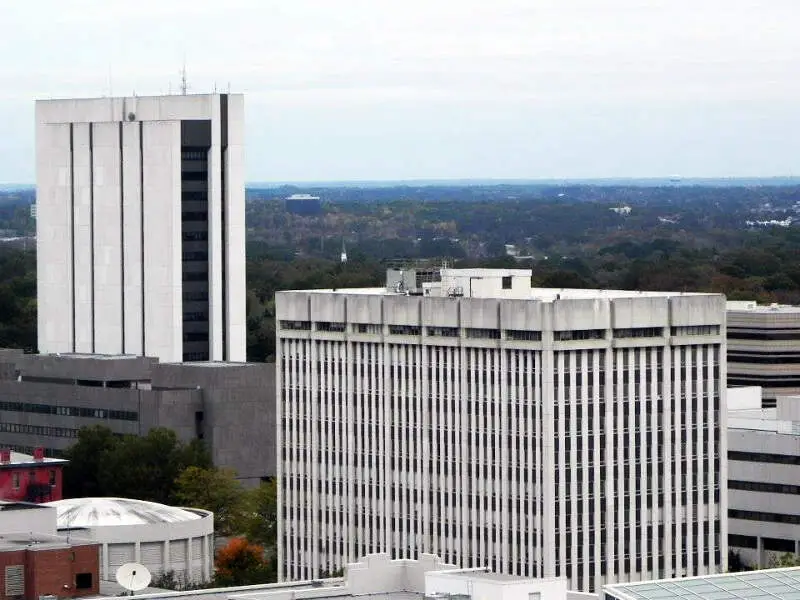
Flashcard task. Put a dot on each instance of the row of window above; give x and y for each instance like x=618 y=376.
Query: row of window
x=39 y=430
x=69 y=411
x=511 y=334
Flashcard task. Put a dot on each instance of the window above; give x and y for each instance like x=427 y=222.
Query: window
x=639 y=332
x=443 y=331
x=296 y=325
x=52 y=477
x=370 y=328
x=332 y=327
x=15 y=580
x=483 y=334
x=579 y=334
x=507 y=282
x=15 y=481
x=83 y=581
x=405 y=330
x=695 y=330
x=523 y=335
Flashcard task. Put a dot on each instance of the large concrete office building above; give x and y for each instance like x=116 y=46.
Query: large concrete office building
x=45 y=400
x=538 y=432
x=764 y=348
x=763 y=477
x=140 y=226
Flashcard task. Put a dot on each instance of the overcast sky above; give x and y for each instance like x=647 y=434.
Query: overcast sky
x=379 y=89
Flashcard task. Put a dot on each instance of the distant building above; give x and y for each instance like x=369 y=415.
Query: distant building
x=539 y=432
x=36 y=563
x=764 y=348
x=304 y=204
x=30 y=478
x=162 y=538
x=45 y=400
x=140 y=226
x=763 y=477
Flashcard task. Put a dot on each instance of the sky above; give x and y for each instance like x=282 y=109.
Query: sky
x=340 y=90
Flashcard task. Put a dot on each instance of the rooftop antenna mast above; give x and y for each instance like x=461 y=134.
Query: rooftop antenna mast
x=184 y=84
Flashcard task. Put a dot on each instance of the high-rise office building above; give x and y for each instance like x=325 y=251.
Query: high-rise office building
x=140 y=226
x=538 y=432
x=764 y=348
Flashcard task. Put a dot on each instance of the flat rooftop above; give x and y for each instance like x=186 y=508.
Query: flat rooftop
x=770 y=584
x=540 y=294
x=752 y=308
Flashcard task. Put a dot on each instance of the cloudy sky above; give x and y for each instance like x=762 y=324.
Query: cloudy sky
x=378 y=89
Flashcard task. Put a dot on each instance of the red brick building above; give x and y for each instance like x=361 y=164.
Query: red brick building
x=30 y=478
x=35 y=561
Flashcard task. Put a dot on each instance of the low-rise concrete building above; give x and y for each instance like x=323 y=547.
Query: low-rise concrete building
x=763 y=478
x=162 y=538
x=377 y=577
x=46 y=399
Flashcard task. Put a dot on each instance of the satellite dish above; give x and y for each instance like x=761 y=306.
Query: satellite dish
x=133 y=576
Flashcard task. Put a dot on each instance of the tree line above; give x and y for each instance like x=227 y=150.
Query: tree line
x=158 y=467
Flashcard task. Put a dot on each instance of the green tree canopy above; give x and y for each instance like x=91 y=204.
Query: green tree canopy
x=145 y=468
x=216 y=490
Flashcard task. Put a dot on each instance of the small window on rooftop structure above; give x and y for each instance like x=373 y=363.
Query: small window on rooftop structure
x=507 y=282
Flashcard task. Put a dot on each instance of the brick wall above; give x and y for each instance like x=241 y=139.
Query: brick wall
x=58 y=572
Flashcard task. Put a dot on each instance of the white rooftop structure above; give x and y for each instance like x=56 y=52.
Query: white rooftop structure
x=377 y=577
x=771 y=584
x=20 y=459
x=163 y=538
x=110 y=512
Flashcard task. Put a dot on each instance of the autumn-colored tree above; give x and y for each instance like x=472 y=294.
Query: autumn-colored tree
x=242 y=563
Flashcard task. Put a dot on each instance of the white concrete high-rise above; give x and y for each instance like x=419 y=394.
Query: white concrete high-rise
x=140 y=226
x=539 y=432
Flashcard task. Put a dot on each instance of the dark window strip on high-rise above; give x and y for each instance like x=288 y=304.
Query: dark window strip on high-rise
x=72 y=220
x=92 y=284
x=223 y=110
x=775 y=335
x=763 y=457
x=760 y=486
x=121 y=234
x=768 y=517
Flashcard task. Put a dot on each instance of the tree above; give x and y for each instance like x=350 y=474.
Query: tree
x=144 y=468
x=261 y=526
x=788 y=559
x=82 y=473
x=242 y=563
x=216 y=490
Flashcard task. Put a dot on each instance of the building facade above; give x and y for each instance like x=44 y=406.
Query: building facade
x=30 y=478
x=764 y=481
x=542 y=433
x=46 y=400
x=140 y=226
x=36 y=562
x=764 y=348
x=162 y=538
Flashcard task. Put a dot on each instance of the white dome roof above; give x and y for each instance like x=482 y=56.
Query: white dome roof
x=110 y=512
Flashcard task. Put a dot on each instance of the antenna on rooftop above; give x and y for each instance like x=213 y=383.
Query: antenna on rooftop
x=184 y=84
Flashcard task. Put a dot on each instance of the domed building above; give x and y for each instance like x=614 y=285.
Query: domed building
x=162 y=538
